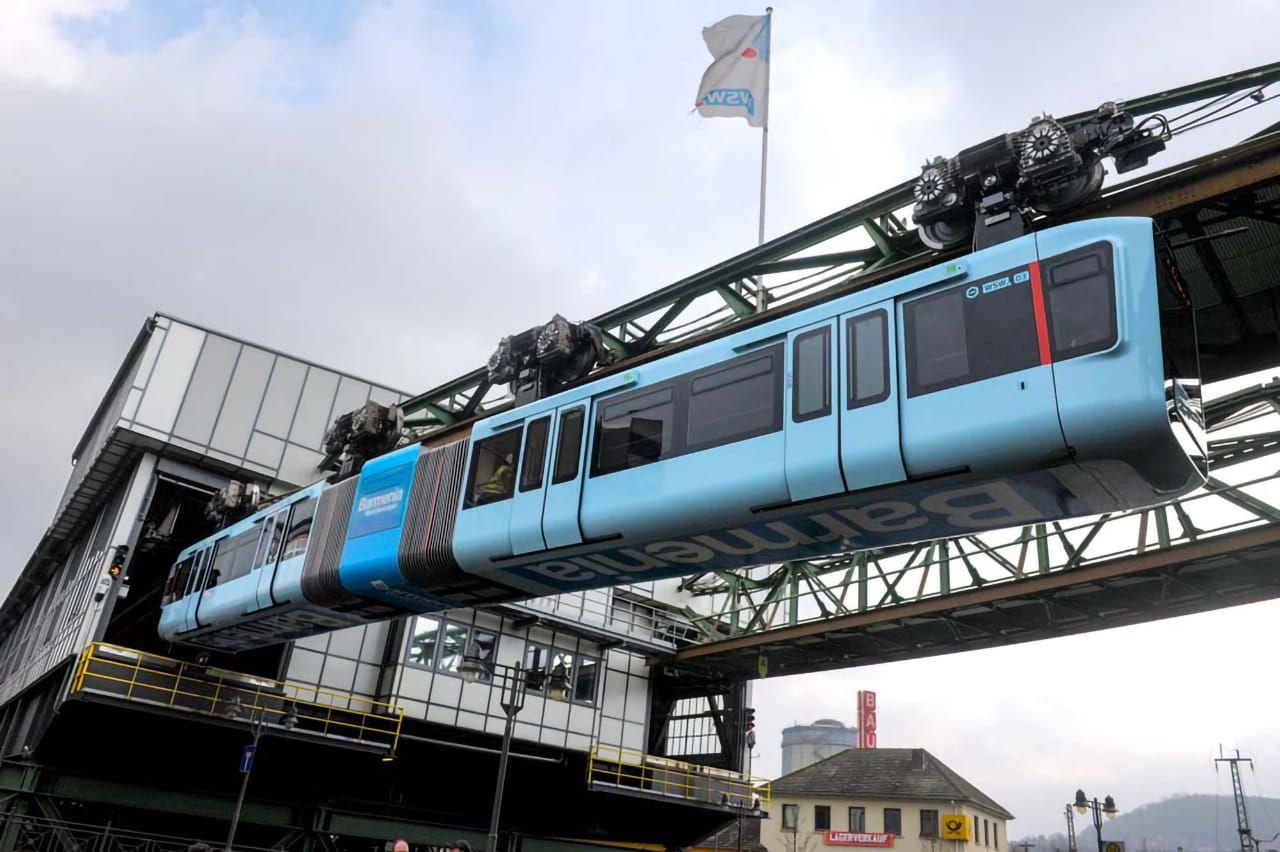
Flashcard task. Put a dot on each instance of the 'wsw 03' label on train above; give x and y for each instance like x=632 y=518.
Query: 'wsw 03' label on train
x=1050 y=376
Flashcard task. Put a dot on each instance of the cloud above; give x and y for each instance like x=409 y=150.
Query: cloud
x=392 y=192
x=32 y=47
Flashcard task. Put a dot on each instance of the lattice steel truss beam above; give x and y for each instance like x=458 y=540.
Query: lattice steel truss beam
x=779 y=274
x=737 y=611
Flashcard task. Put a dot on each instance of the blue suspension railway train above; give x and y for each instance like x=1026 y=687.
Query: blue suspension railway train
x=1048 y=376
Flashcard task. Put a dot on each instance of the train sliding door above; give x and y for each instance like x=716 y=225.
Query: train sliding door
x=870 y=451
x=976 y=371
x=264 y=565
x=813 y=425
x=565 y=470
x=526 y=503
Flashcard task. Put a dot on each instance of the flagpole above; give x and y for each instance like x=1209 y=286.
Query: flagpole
x=761 y=296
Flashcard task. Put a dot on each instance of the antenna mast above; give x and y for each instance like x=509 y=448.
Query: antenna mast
x=1248 y=843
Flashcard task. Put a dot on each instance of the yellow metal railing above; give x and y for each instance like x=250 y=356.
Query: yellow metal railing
x=118 y=672
x=630 y=770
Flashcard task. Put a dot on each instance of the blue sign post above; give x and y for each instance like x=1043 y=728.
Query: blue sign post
x=246 y=759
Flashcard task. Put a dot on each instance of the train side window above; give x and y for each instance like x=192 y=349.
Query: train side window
x=493 y=468
x=868 y=359
x=568 y=446
x=176 y=586
x=969 y=333
x=1081 y=309
x=295 y=542
x=635 y=430
x=811 y=389
x=234 y=556
x=738 y=400
x=535 y=454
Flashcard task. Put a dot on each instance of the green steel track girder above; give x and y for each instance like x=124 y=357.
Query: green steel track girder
x=780 y=271
x=1240 y=497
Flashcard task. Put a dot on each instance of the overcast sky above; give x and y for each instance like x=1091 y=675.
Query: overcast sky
x=388 y=188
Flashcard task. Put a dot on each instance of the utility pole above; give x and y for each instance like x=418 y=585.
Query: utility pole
x=1248 y=843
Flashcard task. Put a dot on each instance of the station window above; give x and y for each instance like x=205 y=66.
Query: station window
x=568 y=446
x=422 y=644
x=791 y=817
x=821 y=817
x=635 y=430
x=975 y=829
x=585 y=680
x=486 y=646
x=735 y=401
x=536 y=658
x=234 y=556
x=858 y=819
x=986 y=833
x=868 y=359
x=535 y=454
x=995 y=835
x=295 y=542
x=964 y=335
x=562 y=660
x=928 y=823
x=811 y=389
x=893 y=821
x=1081 y=301
x=493 y=470
x=453 y=645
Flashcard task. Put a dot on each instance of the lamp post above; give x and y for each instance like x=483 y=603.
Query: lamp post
x=514 y=683
x=1085 y=805
x=257 y=724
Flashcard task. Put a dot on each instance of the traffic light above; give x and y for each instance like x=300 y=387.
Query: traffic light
x=116 y=568
x=749 y=720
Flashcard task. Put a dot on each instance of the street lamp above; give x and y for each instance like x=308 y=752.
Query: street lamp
x=1085 y=805
x=514 y=683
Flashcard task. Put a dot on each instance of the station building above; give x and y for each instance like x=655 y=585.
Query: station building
x=103 y=723
x=896 y=798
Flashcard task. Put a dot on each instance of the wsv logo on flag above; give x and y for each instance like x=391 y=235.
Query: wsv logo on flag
x=736 y=83
x=730 y=98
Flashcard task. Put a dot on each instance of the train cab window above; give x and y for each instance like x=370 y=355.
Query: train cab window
x=535 y=454
x=970 y=333
x=493 y=468
x=811 y=386
x=568 y=446
x=735 y=401
x=634 y=430
x=295 y=541
x=1081 y=301
x=868 y=359
x=234 y=556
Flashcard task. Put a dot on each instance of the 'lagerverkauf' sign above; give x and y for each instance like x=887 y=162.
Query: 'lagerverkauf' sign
x=857 y=838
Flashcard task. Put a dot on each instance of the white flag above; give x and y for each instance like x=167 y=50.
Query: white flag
x=737 y=82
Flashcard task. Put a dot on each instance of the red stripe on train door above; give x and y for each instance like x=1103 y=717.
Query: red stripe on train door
x=1042 y=324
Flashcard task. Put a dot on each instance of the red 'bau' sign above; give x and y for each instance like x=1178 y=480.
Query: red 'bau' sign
x=856 y=838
